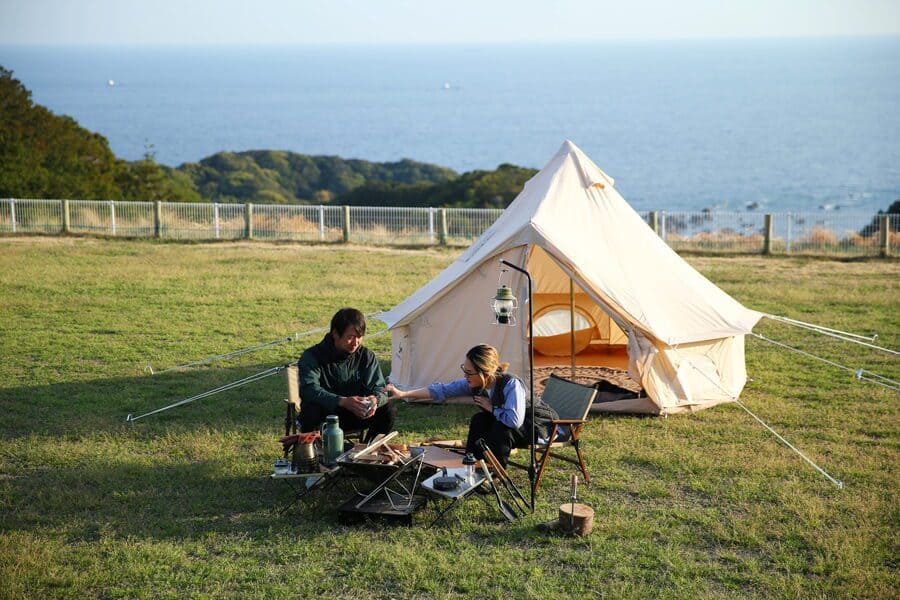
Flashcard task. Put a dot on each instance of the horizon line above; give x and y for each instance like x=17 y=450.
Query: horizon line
x=550 y=42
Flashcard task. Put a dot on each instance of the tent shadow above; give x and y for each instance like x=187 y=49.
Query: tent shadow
x=71 y=463
x=82 y=407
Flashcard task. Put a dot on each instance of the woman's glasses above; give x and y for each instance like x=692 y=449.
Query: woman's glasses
x=466 y=372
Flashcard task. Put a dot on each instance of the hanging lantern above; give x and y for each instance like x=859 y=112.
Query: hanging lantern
x=504 y=305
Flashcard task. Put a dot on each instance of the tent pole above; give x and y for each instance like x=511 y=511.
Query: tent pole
x=572 y=323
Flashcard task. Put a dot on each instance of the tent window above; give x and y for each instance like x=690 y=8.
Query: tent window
x=557 y=322
x=552 y=331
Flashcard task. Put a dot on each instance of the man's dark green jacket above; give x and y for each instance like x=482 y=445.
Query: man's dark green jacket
x=327 y=373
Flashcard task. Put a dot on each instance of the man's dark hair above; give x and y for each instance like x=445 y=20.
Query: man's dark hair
x=347 y=317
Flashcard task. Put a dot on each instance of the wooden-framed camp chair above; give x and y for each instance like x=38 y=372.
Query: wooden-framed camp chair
x=571 y=401
x=293 y=405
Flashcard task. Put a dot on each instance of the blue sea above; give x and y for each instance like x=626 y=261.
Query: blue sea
x=764 y=125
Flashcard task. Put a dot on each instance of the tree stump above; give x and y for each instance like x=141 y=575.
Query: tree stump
x=577 y=519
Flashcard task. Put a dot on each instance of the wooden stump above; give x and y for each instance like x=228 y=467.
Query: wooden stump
x=579 y=521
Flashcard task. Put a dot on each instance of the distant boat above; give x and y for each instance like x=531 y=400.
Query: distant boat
x=111 y=82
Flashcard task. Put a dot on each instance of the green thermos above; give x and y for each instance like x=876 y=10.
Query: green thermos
x=332 y=440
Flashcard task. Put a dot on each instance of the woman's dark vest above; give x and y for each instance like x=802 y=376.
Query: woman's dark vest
x=543 y=414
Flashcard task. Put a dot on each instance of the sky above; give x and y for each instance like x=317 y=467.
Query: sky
x=240 y=22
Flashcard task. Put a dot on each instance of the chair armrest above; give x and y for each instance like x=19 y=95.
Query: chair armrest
x=569 y=421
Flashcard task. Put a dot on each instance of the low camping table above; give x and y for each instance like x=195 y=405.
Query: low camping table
x=304 y=484
x=455 y=496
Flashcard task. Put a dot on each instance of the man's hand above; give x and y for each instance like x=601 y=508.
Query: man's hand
x=373 y=406
x=484 y=403
x=363 y=407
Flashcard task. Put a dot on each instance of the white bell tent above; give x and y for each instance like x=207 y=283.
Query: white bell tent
x=586 y=250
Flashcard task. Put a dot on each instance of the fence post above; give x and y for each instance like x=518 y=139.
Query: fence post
x=112 y=216
x=248 y=220
x=346 y=223
x=767 y=232
x=157 y=218
x=12 y=213
x=885 y=231
x=321 y=223
x=787 y=245
x=654 y=221
x=216 y=218
x=430 y=224
x=442 y=224
x=662 y=225
x=67 y=219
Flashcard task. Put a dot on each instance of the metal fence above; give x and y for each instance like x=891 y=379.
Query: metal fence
x=823 y=233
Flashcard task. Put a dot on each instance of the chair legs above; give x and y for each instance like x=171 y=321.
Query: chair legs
x=547 y=454
x=581 y=465
x=543 y=462
x=290 y=420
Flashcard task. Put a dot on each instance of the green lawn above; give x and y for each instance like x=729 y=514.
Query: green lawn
x=179 y=504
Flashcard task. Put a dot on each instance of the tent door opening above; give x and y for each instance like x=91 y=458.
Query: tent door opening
x=569 y=327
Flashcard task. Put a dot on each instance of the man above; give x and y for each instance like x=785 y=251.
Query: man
x=339 y=376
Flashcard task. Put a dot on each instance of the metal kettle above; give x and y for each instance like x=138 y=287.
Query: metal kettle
x=304 y=458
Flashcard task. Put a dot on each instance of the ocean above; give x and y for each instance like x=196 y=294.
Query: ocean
x=760 y=125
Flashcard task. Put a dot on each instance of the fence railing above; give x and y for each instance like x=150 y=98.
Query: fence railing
x=825 y=233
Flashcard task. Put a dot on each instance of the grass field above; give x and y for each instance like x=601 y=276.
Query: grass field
x=179 y=505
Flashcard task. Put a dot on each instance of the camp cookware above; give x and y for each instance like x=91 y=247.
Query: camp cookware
x=505 y=509
x=519 y=501
x=446 y=483
x=469 y=462
x=332 y=440
x=304 y=456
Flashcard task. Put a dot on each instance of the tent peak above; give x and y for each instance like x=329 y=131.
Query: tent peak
x=591 y=174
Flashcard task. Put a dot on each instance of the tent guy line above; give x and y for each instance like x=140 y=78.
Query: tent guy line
x=234 y=384
x=247 y=350
x=291 y=338
x=223 y=388
x=891 y=384
x=839 y=484
x=835 y=333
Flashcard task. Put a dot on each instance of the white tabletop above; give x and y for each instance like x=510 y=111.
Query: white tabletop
x=463 y=489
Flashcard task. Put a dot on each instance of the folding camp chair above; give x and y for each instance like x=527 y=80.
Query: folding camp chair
x=293 y=405
x=571 y=401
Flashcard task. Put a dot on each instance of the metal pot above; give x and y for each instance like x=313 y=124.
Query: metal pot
x=304 y=457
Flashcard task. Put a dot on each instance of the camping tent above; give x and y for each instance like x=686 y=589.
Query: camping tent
x=573 y=231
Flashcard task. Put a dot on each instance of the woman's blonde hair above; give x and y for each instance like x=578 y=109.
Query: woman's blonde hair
x=486 y=361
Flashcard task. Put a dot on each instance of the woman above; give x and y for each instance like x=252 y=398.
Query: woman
x=504 y=419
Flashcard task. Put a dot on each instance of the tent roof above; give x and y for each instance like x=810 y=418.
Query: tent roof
x=571 y=210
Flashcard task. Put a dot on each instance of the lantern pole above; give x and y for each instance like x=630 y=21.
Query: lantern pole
x=531 y=470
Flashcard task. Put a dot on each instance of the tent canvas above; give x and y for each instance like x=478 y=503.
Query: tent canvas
x=569 y=226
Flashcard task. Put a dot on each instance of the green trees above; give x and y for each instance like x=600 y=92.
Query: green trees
x=475 y=189
x=43 y=155
x=287 y=177
x=146 y=181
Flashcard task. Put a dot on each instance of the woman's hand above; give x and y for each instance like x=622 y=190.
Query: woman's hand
x=394 y=393
x=484 y=403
